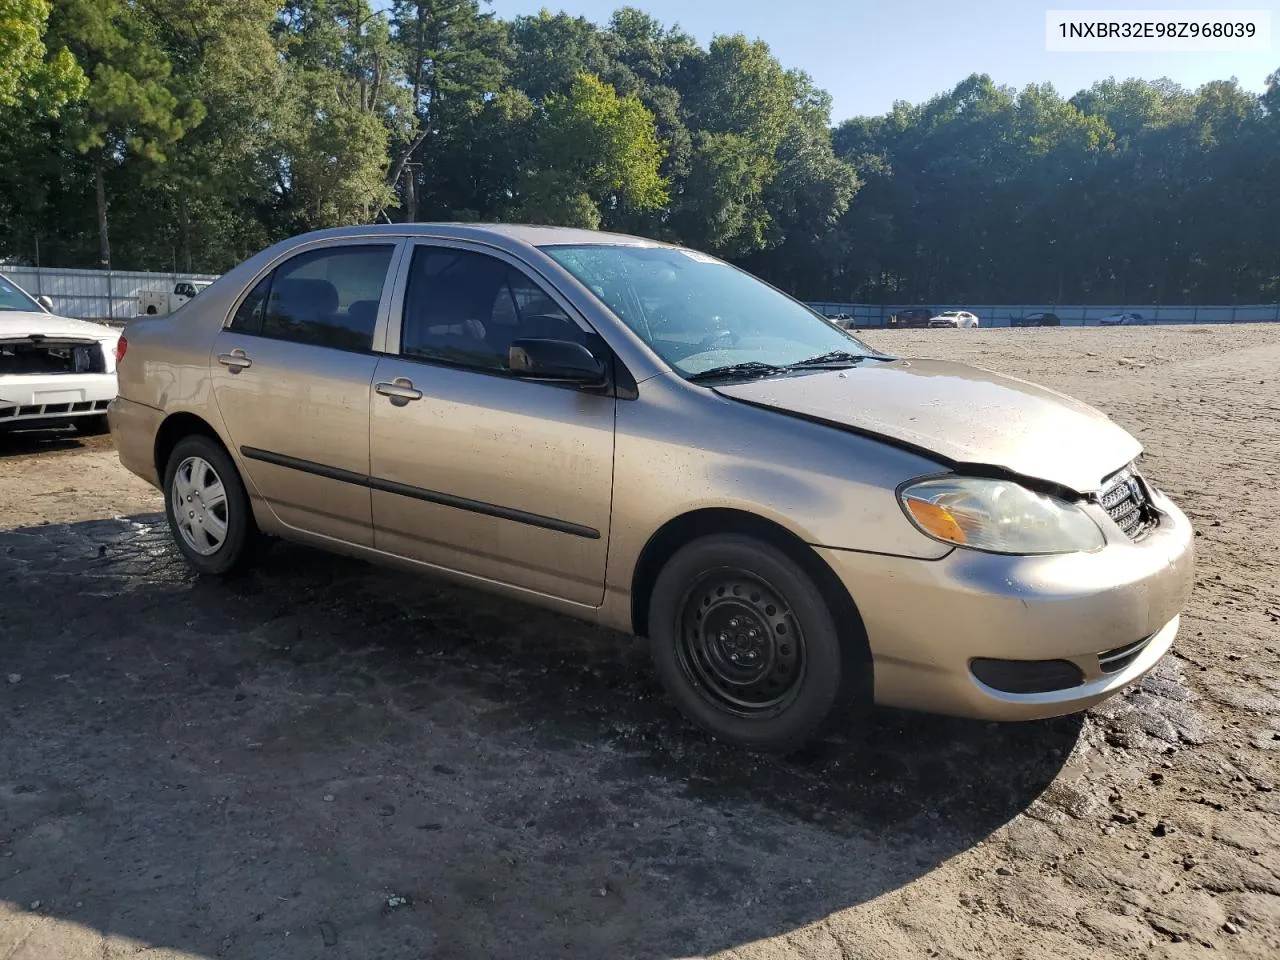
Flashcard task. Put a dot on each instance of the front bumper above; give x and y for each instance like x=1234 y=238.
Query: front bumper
x=56 y=397
x=928 y=620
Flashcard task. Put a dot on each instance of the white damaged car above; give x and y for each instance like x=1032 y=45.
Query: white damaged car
x=54 y=370
x=961 y=319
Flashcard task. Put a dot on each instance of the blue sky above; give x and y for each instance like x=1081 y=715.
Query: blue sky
x=868 y=54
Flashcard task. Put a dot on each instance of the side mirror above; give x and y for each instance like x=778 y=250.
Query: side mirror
x=561 y=361
x=45 y=301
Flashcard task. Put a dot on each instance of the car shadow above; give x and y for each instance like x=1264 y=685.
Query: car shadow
x=18 y=443
x=321 y=751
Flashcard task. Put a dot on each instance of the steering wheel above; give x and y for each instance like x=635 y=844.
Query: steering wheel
x=725 y=338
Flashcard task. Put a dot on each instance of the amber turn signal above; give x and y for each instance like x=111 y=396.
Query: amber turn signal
x=935 y=519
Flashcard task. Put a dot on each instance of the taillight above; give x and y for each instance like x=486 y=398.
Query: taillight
x=121 y=346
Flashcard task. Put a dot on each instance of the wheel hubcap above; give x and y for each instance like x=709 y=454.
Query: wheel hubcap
x=740 y=644
x=199 y=503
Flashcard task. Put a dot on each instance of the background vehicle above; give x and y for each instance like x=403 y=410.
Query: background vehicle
x=155 y=302
x=53 y=370
x=1036 y=320
x=1123 y=319
x=961 y=319
x=911 y=317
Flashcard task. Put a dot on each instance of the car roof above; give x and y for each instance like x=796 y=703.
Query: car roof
x=533 y=234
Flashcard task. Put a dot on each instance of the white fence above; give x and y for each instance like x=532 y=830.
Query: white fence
x=94 y=294
x=999 y=315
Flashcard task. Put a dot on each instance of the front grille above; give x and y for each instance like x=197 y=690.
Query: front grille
x=39 y=355
x=52 y=409
x=1113 y=661
x=1126 y=502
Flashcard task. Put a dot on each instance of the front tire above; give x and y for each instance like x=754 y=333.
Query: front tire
x=746 y=644
x=208 y=507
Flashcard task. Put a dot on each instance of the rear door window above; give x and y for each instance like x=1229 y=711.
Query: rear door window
x=248 y=317
x=327 y=298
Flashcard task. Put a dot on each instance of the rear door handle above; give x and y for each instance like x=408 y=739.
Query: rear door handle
x=401 y=390
x=235 y=360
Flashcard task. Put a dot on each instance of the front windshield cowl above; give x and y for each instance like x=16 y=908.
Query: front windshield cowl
x=703 y=316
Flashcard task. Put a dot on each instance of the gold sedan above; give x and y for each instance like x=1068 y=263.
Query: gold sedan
x=643 y=436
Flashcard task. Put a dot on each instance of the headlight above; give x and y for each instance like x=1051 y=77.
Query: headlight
x=998 y=516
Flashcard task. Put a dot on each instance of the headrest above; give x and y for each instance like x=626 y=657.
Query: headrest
x=305 y=298
x=363 y=313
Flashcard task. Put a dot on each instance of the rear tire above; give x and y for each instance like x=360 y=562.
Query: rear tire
x=208 y=508
x=746 y=644
x=93 y=426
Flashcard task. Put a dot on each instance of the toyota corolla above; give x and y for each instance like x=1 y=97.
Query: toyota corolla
x=646 y=437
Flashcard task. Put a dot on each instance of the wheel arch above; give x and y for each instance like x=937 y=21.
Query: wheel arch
x=684 y=529
x=176 y=426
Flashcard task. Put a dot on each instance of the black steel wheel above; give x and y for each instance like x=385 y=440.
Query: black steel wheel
x=747 y=646
x=739 y=643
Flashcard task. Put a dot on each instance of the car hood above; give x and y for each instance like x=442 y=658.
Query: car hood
x=23 y=323
x=958 y=414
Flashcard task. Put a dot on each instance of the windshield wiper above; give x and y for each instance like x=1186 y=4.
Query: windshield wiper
x=751 y=368
x=829 y=359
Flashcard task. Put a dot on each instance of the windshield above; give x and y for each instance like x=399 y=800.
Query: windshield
x=701 y=314
x=11 y=298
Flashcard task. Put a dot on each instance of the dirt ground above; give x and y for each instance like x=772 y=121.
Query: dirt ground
x=327 y=759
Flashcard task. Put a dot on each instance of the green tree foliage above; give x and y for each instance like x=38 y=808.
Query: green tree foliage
x=206 y=200
x=1130 y=191
x=134 y=107
x=603 y=144
x=455 y=56
x=189 y=133
x=32 y=76
x=37 y=81
x=343 y=102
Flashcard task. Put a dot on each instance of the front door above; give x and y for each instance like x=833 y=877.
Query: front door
x=291 y=377
x=472 y=468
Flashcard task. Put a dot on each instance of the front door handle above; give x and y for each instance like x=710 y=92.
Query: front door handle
x=401 y=390
x=236 y=360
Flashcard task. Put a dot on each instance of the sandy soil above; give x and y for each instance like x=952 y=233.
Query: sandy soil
x=57 y=476
x=325 y=759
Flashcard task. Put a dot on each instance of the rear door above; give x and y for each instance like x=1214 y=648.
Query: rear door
x=291 y=375
x=474 y=469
